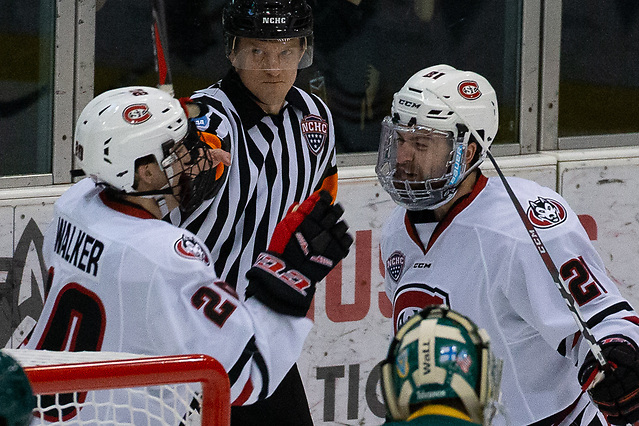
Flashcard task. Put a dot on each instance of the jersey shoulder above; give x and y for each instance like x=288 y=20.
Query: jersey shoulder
x=543 y=207
x=169 y=246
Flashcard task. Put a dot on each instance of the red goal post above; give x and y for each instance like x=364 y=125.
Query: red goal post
x=75 y=372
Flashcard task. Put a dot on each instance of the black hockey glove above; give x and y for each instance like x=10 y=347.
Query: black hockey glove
x=306 y=245
x=617 y=394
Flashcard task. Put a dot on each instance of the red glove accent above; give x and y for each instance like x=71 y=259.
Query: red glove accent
x=294 y=217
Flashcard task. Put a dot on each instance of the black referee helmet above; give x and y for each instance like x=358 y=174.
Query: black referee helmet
x=268 y=19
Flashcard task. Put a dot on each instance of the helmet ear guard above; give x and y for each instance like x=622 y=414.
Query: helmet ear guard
x=439 y=354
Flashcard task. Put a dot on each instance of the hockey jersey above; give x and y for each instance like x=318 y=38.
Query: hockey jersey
x=123 y=281
x=480 y=261
x=276 y=160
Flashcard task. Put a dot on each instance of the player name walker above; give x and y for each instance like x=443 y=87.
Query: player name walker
x=77 y=247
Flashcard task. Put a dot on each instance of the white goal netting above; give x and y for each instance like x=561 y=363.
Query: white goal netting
x=109 y=388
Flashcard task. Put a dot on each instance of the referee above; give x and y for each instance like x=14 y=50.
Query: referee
x=282 y=149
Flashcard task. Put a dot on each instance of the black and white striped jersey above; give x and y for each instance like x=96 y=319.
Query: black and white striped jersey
x=275 y=161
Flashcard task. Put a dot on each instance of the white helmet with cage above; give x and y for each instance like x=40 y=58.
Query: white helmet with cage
x=437 y=105
x=121 y=126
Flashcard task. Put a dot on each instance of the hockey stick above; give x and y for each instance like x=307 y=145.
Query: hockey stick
x=595 y=348
x=161 y=47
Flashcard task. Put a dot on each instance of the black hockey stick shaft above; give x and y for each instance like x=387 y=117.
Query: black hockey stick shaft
x=161 y=46
x=595 y=348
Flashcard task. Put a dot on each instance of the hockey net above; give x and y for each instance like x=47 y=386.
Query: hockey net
x=109 y=388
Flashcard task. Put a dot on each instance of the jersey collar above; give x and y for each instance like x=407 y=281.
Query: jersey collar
x=245 y=102
x=124 y=207
x=457 y=208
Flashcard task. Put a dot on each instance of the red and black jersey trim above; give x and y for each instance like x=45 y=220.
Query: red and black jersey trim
x=251 y=351
x=599 y=316
x=123 y=206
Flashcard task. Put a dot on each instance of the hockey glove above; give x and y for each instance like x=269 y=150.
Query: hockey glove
x=305 y=246
x=617 y=394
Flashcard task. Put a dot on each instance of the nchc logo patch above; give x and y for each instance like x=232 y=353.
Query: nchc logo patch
x=395 y=265
x=188 y=247
x=315 y=131
x=546 y=212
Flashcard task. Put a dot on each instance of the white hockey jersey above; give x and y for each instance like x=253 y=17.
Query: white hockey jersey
x=123 y=281
x=481 y=262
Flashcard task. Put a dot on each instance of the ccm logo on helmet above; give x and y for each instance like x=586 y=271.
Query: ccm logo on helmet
x=409 y=104
x=272 y=20
x=469 y=89
x=136 y=113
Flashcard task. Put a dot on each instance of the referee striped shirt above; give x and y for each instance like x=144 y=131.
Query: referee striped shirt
x=276 y=160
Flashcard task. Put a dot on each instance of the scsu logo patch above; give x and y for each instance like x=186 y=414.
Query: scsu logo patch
x=315 y=130
x=545 y=212
x=469 y=89
x=136 y=113
x=395 y=265
x=412 y=298
x=189 y=248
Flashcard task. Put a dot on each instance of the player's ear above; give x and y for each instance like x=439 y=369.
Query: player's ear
x=471 y=150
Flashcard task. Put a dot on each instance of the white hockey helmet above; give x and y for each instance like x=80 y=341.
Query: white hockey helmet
x=123 y=125
x=444 y=101
x=119 y=126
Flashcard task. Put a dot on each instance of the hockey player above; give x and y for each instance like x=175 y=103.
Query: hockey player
x=282 y=149
x=457 y=239
x=440 y=371
x=121 y=280
x=16 y=398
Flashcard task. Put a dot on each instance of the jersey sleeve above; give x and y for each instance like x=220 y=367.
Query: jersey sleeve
x=189 y=311
x=585 y=277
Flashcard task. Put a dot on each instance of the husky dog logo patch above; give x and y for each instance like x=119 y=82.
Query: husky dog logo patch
x=315 y=131
x=189 y=248
x=545 y=212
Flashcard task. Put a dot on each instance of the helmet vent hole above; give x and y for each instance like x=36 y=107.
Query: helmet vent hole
x=164 y=111
x=104 y=109
x=412 y=89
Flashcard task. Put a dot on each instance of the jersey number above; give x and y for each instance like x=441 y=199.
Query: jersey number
x=215 y=309
x=582 y=284
x=76 y=323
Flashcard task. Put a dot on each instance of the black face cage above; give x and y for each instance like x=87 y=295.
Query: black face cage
x=190 y=170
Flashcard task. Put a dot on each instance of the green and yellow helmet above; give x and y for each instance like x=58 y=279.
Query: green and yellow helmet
x=437 y=354
x=16 y=397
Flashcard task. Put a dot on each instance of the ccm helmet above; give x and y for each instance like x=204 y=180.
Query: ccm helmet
x=121 y=126
x=286 y=21
x=16 y=397
x=438 y=355
x=435 y=103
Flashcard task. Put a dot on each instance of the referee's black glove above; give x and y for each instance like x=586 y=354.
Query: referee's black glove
x=306 y=245
x=617 y=394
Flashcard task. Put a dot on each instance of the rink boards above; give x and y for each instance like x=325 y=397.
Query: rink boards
x=351 y=312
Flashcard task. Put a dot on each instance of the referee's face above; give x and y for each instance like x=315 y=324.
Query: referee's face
x=267 y=68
